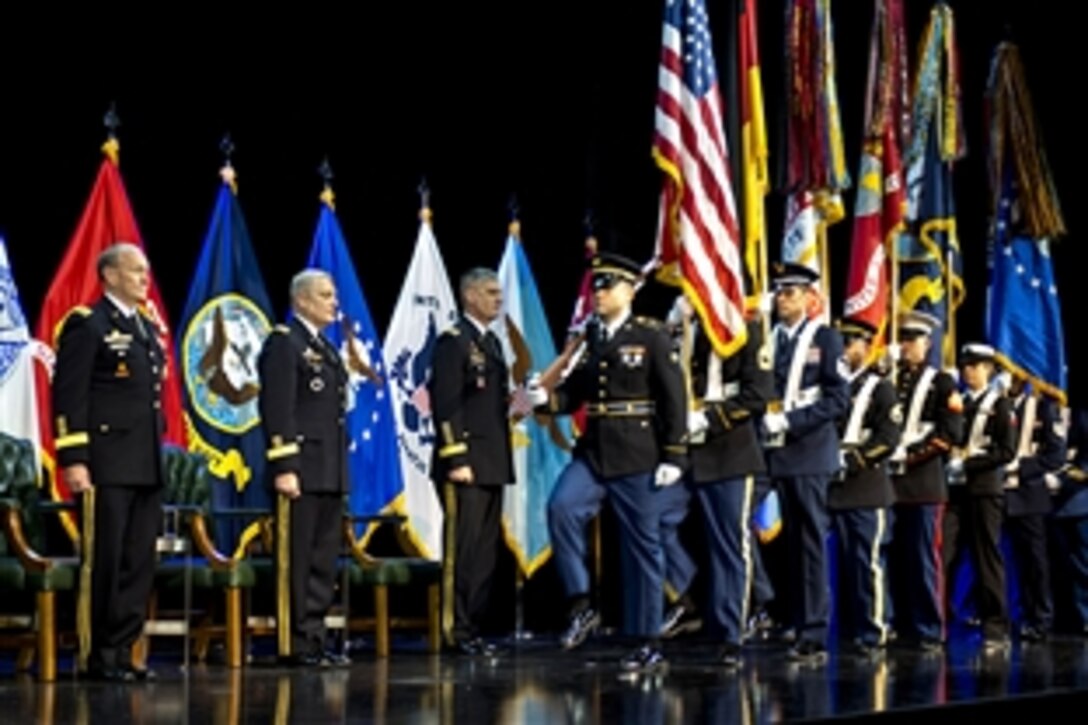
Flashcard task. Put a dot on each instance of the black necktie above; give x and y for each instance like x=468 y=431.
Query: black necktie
x=141 y=330
x=491 y=343
x=325 y=344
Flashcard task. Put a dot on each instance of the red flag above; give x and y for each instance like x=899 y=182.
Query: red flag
x=878 y=216
x=107 y=219
x=880 y=210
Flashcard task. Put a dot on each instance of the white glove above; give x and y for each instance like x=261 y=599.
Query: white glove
x=775 y=423
x=955 y=468
x=697 y=422
x=766 y=303
x=894 y=353
x=667 y=474
x=1053 y=483
x=537 y=393
x=1003 y=382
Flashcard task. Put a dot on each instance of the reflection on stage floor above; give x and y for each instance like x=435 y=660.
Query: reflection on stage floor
x=536 y=683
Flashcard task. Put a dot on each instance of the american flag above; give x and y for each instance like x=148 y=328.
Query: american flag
x=699 y=240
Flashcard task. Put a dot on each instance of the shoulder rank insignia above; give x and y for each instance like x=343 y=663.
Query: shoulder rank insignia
x=648 y=322
x=282 y=329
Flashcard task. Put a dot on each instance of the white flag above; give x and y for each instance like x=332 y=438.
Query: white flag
x=18 y=402
x=426 y=307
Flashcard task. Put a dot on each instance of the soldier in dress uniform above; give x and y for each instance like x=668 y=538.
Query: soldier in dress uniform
x=1071 y=515
x=989 y=447
x=723 y=442
x=629 y=376
x=107 y=402
x=470 y=397
x=810 y=394
x=302 y=406
x=1040 y=451
x=681 y=613
x=861 y=496
x=932 y=425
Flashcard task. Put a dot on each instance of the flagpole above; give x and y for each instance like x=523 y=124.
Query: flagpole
x=948 y=356
x=520 y=633
x=893 y=319
x=825 y=267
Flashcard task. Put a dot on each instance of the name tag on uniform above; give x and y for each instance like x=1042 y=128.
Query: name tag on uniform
x=814 y=356
x=632 y=356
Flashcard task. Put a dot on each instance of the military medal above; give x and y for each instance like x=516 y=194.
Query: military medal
x=122 y=370
x=317 y=385
x=476 y=359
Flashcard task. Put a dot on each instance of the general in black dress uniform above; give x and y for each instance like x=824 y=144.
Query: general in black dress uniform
x=302 y=406
x=810 y=394
x=107 y=391
x=630 y=378
x=470 y=398
x=860 y=498
x=932 y=425
x=989 y=447
x=723 y=442
x=1040 y=454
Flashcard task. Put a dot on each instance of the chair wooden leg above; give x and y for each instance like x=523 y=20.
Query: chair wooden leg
x=434 y=619
x=234 y=627
x=381 y=619
x=47 y=637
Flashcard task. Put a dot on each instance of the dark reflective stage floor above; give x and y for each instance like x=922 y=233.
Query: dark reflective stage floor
x=535 y=683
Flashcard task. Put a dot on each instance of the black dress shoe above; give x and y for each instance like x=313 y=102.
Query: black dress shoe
x=931 y=645
x=475 y=647
x=647 y=658
x=1032 y=633
x=808 y=652
x=110 y=674
x=582 y=624
x=730 y=656
x=334 y=659
x=680 y=619
x=307 y=659
x=867 y=650
x=141 y=675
